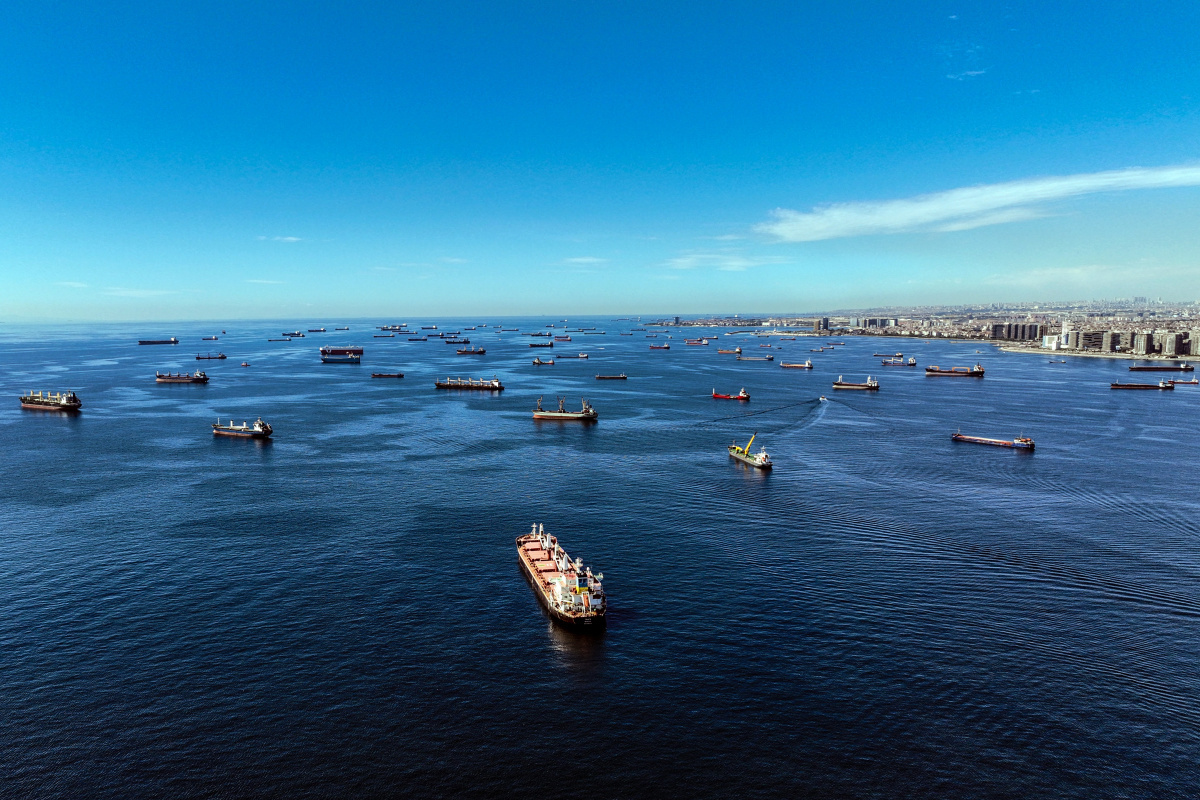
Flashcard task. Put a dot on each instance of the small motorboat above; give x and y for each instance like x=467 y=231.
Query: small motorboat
x=245 y=363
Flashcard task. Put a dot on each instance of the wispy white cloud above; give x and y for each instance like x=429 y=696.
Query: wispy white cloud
x=71 y=284
x=967 y=74
x=452 y=260
x=260 y=280
x=727 y=261
x=120 y=291
x=280 y=239
x=965 y=208
x=584 y=261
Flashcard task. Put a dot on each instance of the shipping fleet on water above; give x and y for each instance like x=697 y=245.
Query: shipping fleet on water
x=571 y=594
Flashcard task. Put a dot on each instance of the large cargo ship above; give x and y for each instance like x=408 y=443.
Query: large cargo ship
x=211 y=357
x=471 y=351
x=806 y=365
x=1165 y=385
x=294 y=334
x=743 y=454
x=341 y=355
x=660 y=347
x=537 y=362
x=871 y=385
x=181 y=377
x=570 y=593
x=960 y=372
x=1020 y=443
x=257 y=430
x=621 y=377
x=541 y=344
x=51 y=401
x=755 y=358
x=172 y=340
x=586 y=414
x=482 y=384
x=1184 y=367
x=899 y=362
x=737 y=351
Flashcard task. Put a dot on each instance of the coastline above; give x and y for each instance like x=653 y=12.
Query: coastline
x=1087 y=354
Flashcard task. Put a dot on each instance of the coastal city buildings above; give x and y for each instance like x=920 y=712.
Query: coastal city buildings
x=1128 y=327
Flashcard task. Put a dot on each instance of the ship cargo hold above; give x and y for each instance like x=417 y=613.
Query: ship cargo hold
x=341 y=355
x=1019 y=443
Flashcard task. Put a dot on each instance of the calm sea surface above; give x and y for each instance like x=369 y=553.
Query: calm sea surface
x=340 y=612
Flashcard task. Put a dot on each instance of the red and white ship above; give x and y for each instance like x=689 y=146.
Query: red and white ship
x=570 y=592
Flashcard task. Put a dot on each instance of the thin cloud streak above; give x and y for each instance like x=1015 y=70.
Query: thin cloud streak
x=727 y=262
x=260 y=280
x=965 y=208
x=119 y=291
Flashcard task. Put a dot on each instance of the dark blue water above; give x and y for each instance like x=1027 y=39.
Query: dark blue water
x=339 y=612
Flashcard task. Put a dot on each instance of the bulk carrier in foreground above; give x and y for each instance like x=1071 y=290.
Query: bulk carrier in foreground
x=570 y=593
x=51 y=401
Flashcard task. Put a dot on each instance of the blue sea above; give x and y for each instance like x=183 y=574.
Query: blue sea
x=339 y=612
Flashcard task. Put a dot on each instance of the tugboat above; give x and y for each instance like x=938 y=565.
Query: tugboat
x=871 y=385
x=51 y=401
x=245 y=363
x=211 y=357
x=743 y=454
x=742 y=395
x=960 y=372
x=572 y=595
x=341 y=355
x=806 y=365
x=258 y=430
x=586 y=414
x=471 y=351
x=181 y=377
x=1020 y=443
x=482 y=384
x=537 y=362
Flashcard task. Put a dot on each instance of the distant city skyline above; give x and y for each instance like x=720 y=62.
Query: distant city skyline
x=283 y=162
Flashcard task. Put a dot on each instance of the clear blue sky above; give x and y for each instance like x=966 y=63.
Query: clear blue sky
x=166 y=160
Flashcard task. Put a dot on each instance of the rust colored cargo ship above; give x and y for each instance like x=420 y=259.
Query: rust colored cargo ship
x=570 y=593
x=958 y=372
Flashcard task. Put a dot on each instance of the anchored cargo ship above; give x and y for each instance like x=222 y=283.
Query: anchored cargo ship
x=1020 y=443
x=387 y=374
x=294 y=334
x=1184 y=367
x=51 y=401
x=341 y=355
x=211 y=357
x=1166 y=385
x=208 y=338
x=620 y=377
x=743 y=454
x=541 y=344
x=755 y=358
x=172 y=340
x=899 y=362
x=571 y=594
x=734 y=351
x=180 y=377
x=586 y=414
x=806 y=365
x=871 y=385
x=482 y=384
x=660 y=347
x=257 y=430
x=742 y=395
x=960 y=372
x=1192 y=382
x=537 y=362
x=471 y=351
